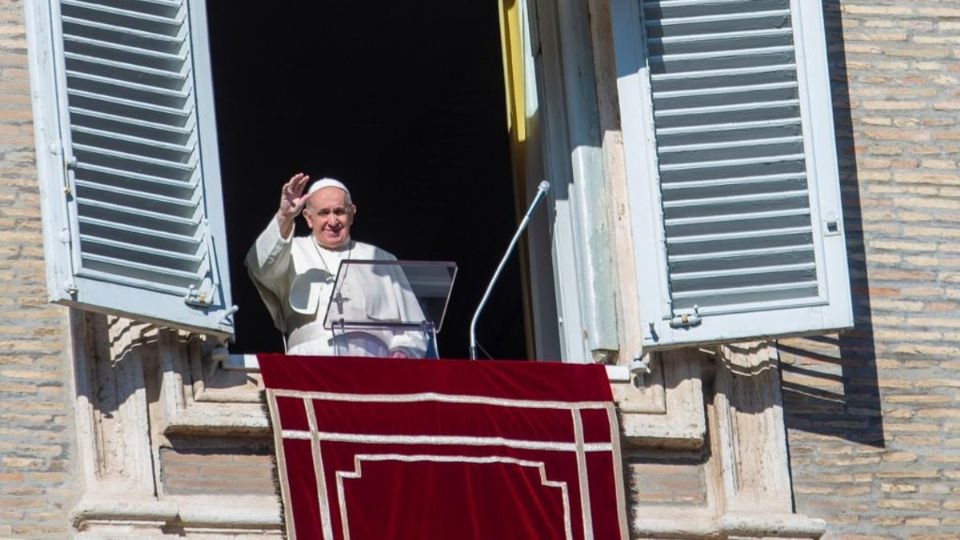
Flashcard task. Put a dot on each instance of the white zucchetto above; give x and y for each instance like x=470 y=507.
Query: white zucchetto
x=327 y=182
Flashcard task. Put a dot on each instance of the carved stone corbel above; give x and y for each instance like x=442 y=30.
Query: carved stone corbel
x=755 y=494
x=113 y=435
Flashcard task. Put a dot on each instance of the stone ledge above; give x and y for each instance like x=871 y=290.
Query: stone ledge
x=120 y=513
x=773 y=525
x=117 y=516
x=212 y=420
x=236 y=512
x=645 y=430
x=690 y=525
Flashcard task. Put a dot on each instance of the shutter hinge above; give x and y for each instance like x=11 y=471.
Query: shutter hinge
x=686 y=319
x=69 y=286
x=69 y=164
x=201 y=296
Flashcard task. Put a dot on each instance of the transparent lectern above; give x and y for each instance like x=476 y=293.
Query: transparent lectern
x=389 y=308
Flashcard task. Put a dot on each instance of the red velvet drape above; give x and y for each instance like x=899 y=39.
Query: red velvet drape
x=439 y=449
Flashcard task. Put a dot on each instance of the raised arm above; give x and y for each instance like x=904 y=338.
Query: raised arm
x=292 y=201
x=269 y=259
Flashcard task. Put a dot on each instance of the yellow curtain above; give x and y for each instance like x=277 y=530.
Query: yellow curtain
x=512 y=49
x=511 y=44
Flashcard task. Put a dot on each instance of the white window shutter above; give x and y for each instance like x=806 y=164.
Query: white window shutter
x=127 y=156
x=731 y=160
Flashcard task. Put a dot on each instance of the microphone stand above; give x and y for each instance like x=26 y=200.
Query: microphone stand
x=541 y=191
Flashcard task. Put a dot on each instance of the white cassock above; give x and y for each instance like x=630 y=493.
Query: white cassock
x=295 y=278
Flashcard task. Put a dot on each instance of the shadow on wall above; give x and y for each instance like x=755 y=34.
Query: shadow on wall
x=830 y=382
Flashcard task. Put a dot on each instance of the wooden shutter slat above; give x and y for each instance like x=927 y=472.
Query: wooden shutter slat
x=730 y=126
x=699 y=92
x=729 y=144
x=145 y=275
x=734 y=199
x=149 y=198
x=738 y=108
x=150 y=236
x=172 y=131
x=116 y=47
x=174 y=259
x=174 y=79
x=123 y=140
x=748 y=296
x=729 y=72
x=129 y=16
x=744 y=235
x=78 y=24
x=136 y=214
x=153 y=184
x=755 y=252
x=738 y=181
x=685 y=276
x=188 y=166
x=164 y=274
x=147 y=282
x=715 y=54
x=725 y=17
x=719 y=36
x=143 y=110
x=731 y=162
x=111 y=199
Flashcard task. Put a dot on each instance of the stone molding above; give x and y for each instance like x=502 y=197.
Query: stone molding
x=139 y=387
x=134 y=387
x=665 y=407
x=746 y=468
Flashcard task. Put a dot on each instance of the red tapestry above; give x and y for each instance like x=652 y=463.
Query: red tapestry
x=372 y=448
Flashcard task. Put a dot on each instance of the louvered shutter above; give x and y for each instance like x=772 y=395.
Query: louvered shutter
x=732 y=168
x=133 y=210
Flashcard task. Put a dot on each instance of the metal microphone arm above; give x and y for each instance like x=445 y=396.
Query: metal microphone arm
x=541 y=191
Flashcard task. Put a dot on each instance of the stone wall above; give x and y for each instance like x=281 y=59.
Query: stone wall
x=874 y=415
x=36 y=435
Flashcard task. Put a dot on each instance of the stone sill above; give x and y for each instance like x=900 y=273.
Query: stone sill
x=690 y=525
x=225 y=515
x=248 y=362
x=217 y=421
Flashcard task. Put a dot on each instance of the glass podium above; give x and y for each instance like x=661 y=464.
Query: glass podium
x=389 y=308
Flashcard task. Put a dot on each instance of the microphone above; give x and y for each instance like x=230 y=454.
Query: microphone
x=541 y=192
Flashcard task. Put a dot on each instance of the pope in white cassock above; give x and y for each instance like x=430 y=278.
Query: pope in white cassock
x=295 y=277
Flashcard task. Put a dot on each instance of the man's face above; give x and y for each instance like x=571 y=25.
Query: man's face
x=329 y=216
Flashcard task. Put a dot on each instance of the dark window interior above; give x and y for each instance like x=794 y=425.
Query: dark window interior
x=404 y=102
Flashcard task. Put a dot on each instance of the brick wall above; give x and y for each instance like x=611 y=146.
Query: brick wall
x=36 y=480
x=219 y=471
x=874 y=415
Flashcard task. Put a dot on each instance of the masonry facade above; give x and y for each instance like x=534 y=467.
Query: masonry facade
x=38 y=482
x=872 y=415
x=111 y=427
